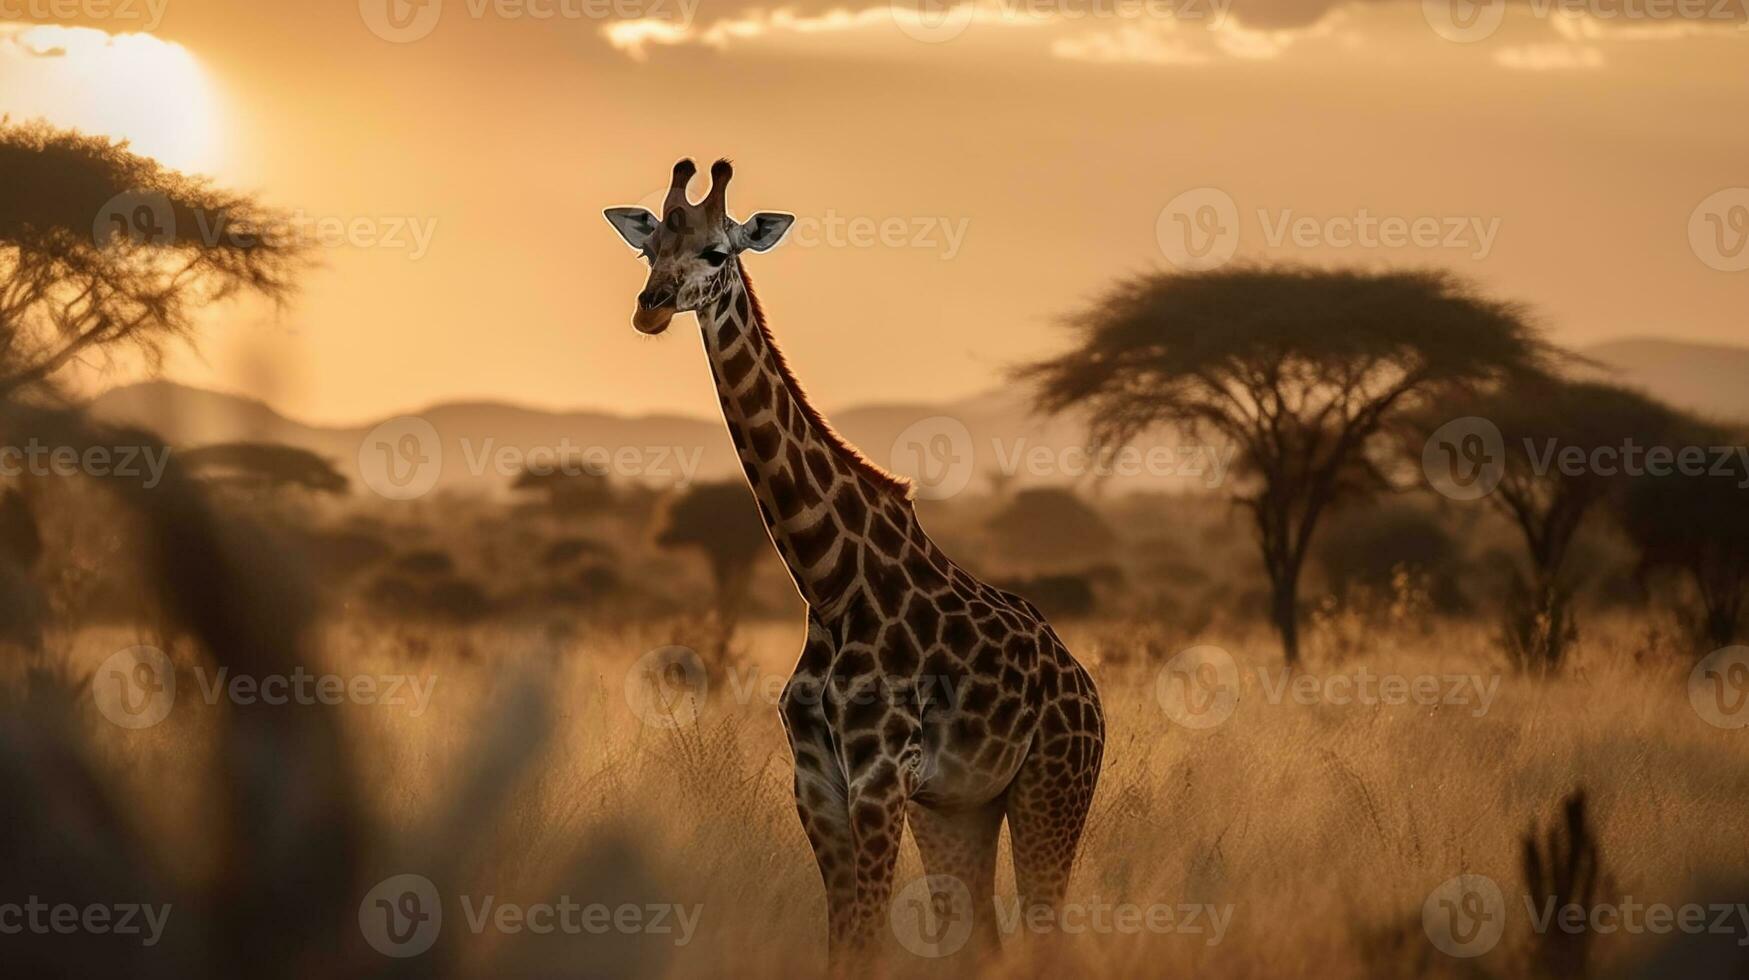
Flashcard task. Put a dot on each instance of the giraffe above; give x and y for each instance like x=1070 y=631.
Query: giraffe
x=922 y=697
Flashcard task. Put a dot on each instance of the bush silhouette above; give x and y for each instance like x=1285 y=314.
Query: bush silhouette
x=264 y=465
x=720 y=520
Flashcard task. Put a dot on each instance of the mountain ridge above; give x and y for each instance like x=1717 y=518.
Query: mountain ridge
x=995 y=430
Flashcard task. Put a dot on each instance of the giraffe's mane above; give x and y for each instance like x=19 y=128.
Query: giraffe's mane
x=868 y=468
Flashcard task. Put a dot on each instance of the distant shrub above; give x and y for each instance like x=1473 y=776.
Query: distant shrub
x=264 y=466
x=1060 y=595
x=1051 y=525
x=447 y=598
x=343 y=553
x=1368 y=548
x=568 y=551
x=427 y=561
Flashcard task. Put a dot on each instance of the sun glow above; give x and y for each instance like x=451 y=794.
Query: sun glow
x=151 y=92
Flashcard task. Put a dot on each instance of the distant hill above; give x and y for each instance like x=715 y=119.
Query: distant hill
x=1707 y=379
x=998 y=434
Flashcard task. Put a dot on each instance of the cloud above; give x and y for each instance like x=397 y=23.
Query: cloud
x=1549 y=57
x=1200 y=32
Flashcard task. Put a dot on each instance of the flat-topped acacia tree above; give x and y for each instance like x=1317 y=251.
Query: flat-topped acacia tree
x=101 y=248
x=1547 y=495
x=1303 y=369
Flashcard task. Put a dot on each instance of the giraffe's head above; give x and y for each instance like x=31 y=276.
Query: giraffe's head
x=690 y=247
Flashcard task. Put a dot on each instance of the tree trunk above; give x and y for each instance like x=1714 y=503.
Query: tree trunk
x=1284 y=612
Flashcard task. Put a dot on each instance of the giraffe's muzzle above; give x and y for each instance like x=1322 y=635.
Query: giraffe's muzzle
x=655 y=309
x=652 y=321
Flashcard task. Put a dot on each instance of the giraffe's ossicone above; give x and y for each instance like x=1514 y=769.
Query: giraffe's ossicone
x=922 y=696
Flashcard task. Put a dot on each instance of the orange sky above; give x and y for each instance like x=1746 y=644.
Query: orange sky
x=955 y=194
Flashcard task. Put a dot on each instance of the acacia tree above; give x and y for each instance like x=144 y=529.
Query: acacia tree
x=265 y=465
x=1562 y=454
x=1696 y=523
x=1302 y=369
x=573 y=486
x=715 y=519
x=101 y=248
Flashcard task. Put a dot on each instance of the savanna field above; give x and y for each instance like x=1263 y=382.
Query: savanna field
x=1299 y=825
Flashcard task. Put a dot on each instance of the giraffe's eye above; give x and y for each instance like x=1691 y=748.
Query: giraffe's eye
x=715 y=256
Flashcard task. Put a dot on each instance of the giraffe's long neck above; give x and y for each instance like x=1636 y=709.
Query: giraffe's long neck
x=821 y=501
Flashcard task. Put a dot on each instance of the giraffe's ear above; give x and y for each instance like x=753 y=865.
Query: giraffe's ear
x=635 y=225
x=763 y=231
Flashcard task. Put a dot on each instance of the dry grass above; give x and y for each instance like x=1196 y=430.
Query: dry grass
x=1322 y=826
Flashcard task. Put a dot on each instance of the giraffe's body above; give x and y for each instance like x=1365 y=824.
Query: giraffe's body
x=922 y=695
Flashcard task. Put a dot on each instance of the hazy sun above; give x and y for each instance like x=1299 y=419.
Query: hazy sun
x=134 y=86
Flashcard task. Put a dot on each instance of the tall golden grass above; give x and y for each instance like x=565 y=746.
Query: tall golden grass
x=1320 y=828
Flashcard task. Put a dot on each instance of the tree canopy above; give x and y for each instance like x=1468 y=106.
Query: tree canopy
x=265 y=464
x=1299 y=367
x=100 y=247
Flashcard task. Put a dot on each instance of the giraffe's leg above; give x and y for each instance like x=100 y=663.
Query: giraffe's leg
x=1048 y=801
x=958 y=848
x=826 y=819
x=877 y=825
x=822 y=796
